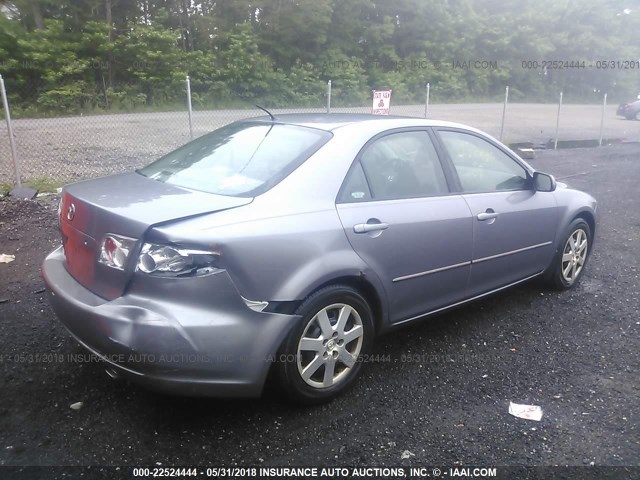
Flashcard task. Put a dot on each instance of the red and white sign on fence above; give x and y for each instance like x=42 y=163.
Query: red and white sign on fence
x=381 y=102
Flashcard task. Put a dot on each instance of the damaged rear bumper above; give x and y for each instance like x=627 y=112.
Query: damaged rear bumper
x=190 y=336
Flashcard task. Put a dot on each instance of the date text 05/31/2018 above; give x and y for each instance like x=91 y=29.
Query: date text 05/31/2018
x=581 y=64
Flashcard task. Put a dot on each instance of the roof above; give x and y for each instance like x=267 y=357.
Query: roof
x=331 y=121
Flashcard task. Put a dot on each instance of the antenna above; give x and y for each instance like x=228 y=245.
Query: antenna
x=273 y=119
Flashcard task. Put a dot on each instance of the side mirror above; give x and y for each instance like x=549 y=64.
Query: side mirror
x=543 y=182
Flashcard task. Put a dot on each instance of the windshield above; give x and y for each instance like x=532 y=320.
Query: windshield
x=241 y=159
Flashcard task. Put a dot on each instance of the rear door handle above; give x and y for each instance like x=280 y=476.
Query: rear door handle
x=488 y=215
x=370 y=227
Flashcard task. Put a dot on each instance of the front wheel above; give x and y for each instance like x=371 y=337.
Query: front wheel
x=568 y=265
x=320 y=358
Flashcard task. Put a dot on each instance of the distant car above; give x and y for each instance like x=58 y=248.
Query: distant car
x=286 y=245
x=630 y=111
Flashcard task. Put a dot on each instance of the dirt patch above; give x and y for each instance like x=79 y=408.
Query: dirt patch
x=27 y=228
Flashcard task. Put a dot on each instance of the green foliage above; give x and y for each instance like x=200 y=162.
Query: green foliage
x=245 y=71
x=127 y=98
x=303 y=86
x=64 y=58
x=68 y=98
x=152 y=60
x=347 y=75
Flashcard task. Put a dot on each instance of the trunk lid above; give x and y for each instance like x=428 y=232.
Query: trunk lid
x=127 y=205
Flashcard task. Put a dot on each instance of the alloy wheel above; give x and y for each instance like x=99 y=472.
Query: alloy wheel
x=574 y=255
x=329 y=346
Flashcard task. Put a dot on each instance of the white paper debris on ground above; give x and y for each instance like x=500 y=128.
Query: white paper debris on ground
x=407 y=454
x=4 y=258
x=528 y=412
x=76 y=406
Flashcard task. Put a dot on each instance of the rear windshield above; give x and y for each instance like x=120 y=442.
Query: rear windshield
x=241 y=159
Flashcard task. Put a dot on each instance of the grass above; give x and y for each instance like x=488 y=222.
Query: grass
x=41 y=184
x=5 y=188
x=45 y=184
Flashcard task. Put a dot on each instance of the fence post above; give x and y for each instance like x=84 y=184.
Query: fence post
x=7 y=116
x=604 y=106
x=329 y=96
x=504 y=110
x=555 y=143
x=426 y=100
x=189 y=107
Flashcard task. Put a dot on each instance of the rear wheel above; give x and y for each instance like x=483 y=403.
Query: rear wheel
x=320 y=358
x=568 y=265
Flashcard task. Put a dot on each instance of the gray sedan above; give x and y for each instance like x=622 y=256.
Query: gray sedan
x=284 y=246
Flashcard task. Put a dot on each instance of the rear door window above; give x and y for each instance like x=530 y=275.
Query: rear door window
x=399 y=165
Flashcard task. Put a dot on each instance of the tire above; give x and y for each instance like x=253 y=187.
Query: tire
x=637 y=116
x=569 y=263
x=337 y=328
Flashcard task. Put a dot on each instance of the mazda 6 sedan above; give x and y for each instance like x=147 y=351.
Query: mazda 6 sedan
x=281 y=247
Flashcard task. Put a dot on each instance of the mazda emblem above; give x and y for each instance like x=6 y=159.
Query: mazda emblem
x=71 y=212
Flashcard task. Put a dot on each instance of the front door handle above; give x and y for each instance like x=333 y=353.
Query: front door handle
x=370 y=227
x=488 y=215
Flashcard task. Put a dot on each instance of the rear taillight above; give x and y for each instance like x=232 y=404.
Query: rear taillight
x=115 y=249
x=165 y=260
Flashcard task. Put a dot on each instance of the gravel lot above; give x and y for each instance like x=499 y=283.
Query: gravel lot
x=68 y=148
x=576 y=354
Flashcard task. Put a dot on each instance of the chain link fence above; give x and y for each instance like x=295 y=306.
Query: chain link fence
x=66 y=149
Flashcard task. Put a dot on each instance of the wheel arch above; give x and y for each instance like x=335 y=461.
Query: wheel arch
x=361 y=283
x=585 y=214
x=365 y=288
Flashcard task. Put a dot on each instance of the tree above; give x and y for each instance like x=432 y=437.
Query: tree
x=60 y=56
